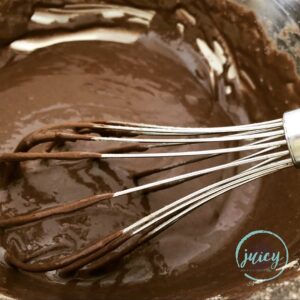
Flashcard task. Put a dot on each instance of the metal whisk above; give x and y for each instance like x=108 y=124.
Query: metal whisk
x=267 y=147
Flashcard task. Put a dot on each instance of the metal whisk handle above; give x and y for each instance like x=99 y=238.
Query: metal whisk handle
x=291 y=123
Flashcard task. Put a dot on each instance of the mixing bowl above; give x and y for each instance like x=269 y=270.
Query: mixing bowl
x=280 y=18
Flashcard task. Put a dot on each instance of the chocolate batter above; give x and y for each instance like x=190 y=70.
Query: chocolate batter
x=161 y=78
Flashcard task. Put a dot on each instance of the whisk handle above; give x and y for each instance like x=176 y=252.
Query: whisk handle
x=291 y=123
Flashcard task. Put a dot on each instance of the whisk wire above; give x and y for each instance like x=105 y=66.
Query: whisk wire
x=263 y=147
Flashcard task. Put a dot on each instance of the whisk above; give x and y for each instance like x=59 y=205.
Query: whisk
x=267 y=147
